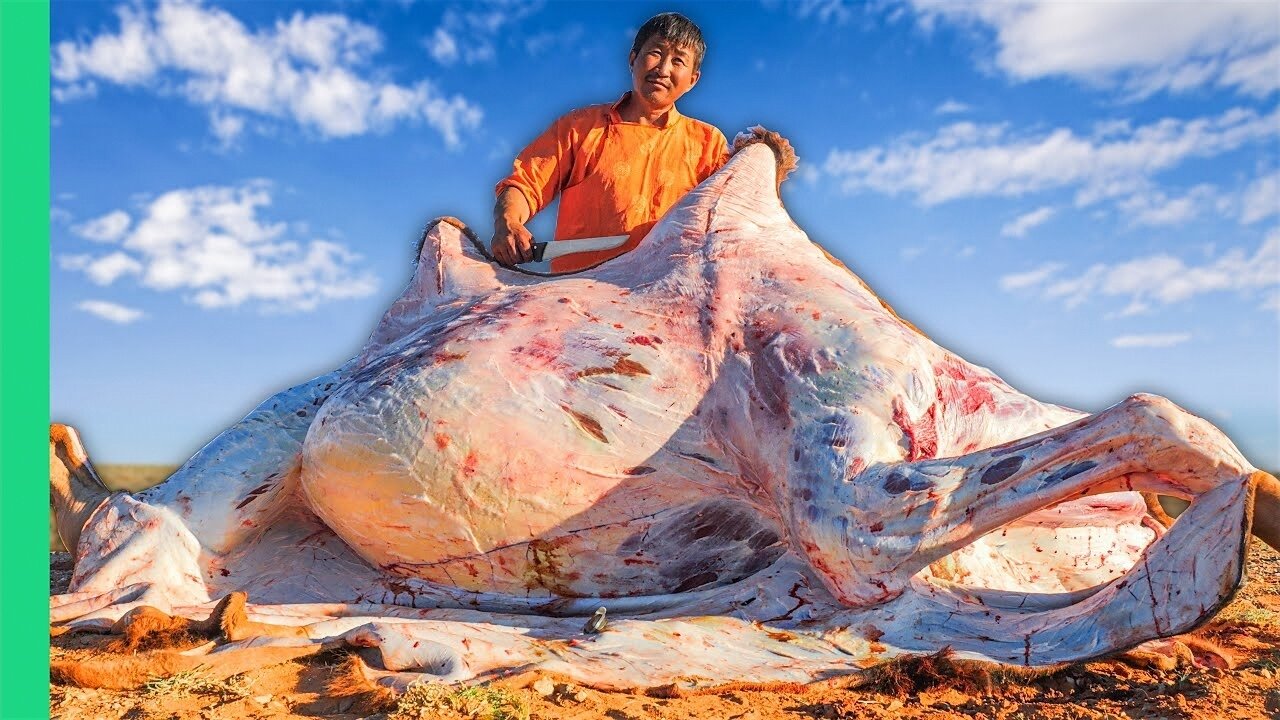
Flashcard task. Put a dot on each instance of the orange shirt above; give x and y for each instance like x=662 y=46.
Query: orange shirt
x=613 y=176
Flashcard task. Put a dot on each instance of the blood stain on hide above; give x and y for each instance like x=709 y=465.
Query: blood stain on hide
x=696 y=581
x=253 y=495
x=699 y=457
x=708 y=544
x=442 y=441
x=896 y=484
x=1068 y=471
x=921 y=434
x=900 y=482
x=546 y=569
x=960 y=386
x=622 y=366
x=586 y=423
x=1002 y=470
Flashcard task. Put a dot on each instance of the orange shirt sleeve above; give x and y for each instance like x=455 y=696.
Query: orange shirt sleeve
x=715 y=153
x=540 y=170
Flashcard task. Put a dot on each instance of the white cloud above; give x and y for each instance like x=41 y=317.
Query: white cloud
x=211 y=244
x=226 y=127
x=468 y=35
x=1017 y=281
x=1137 y=47
x=311 y=69
x=1156 y=208
x=970 y=160
x=71 y=92
x=1075 y=291
x=1271 y=302
x=1135 y=307
x=1163 y=279
x=107 y=228
x=1261 y=199
x=826 y=12
x=119 y=314
x=951 y=107
x=910 y=253
x=102 y=270
x=1021 y=225
x=565 y=39
x=1154 y=340
x=127 y=58
x=442 y=47
x=1255 y=74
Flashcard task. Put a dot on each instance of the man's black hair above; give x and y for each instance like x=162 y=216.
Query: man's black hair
x=676 y=28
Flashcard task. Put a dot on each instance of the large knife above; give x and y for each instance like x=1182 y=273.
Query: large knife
x=547 y=251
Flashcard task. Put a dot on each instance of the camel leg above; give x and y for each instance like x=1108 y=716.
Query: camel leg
x=1266 y=509
x=146 y=627
x=75 y=490
x=233 y=620
x=898 y=518
x=129 y=672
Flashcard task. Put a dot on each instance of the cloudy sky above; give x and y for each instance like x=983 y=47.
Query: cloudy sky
x=1084 y=197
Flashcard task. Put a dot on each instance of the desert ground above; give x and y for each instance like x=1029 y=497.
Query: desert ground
x=1245 y=637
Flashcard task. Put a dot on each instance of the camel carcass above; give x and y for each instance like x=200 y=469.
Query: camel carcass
x=724 y=436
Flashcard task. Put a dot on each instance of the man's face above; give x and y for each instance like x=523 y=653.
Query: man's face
x=662 y=71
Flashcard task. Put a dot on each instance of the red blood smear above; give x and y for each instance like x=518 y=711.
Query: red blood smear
x=647 y=340
x=922 y=433
x=960 y=387
x=544 y=352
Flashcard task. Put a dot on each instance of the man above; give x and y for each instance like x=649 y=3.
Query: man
x=615 y=167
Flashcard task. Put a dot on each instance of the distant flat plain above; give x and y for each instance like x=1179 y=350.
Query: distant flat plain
x=133 y=478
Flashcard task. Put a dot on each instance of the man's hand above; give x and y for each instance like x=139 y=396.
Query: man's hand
x=512 y=243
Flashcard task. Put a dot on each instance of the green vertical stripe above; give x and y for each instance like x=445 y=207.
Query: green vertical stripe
x=24 y=357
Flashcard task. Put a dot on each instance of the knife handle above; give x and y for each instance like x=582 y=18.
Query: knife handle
x=539 y=249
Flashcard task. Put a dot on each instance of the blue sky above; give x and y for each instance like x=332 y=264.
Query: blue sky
x=1084 y=197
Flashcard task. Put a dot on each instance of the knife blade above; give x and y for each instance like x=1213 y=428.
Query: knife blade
x=547 y=251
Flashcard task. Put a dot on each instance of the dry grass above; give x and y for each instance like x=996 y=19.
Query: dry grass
x=198 y=682
x=481 y=702
x=1249 y=614
x=133 y=478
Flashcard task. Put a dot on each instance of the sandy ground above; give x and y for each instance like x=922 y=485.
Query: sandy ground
x=1248 y=630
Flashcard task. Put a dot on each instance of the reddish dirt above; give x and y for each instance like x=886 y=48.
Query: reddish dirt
x=1248 y=629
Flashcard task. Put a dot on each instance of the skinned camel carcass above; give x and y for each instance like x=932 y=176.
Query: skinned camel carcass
x=723 y=436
